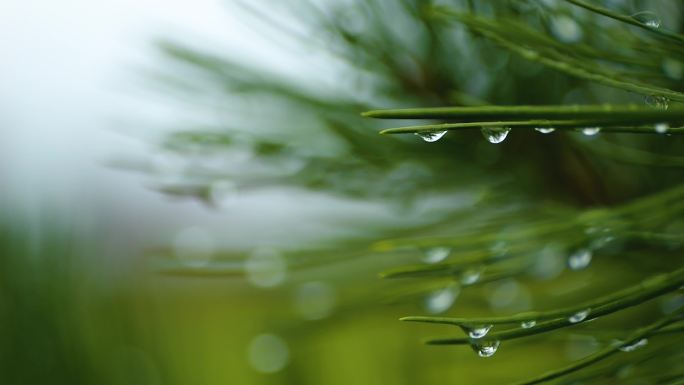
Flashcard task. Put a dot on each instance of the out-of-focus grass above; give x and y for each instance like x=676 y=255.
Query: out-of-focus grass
x=62 y=323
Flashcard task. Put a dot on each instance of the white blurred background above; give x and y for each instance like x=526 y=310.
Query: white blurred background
x=73 y=96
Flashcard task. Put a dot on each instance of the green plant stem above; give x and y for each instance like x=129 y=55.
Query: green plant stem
x=626 y=19
x=606 y=126
x=604 y=353
x=559 y=318
x=517 y=113
x=556 y=60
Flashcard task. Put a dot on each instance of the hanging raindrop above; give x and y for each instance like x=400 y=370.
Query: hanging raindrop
x=485 y=348
x=436 y=254
x=579 y=259
x=634 y=346
x=647 y=18
x=431 y=136
x=579 y=316
x=476 y=331
x=591 y=131
x=661 y=128
x=471 y=276
x=495 y=134
x=545 y=130
x=657 y=101
x=528 y=324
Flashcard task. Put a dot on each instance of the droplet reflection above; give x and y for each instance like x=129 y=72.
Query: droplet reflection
x=495 y=134
x=579 y=316
x=431 y=136
x=485 y=348
x=579 y=259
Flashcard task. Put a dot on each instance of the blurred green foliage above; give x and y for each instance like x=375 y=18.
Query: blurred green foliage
x=545 y=223
x=612 y=196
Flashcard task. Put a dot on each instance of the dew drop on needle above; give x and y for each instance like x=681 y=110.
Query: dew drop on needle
x=431 y=136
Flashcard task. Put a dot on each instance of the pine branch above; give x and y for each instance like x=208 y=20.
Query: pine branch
x=628 y=19
x=559 y=318
x=606 y=352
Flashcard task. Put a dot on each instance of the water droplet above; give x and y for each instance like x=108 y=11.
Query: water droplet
x=545 y=130
x=647 y=18
x=601 y=241
x=485 y=348
x=431 y=136
x=579 y=316
x=268 y=353
x=528 y=324
x=498 y=249
x=580 y=345
x=591 y=131
x=266 y=268
x=314 y=300
x=441 y=300
x=495 y=134
x=436 y=254
x=579 y=259
x=566 y=29
x=471 y=276
x=657 y=101
x=507 y=295
x=549 y=262
x=661 y=128
x=591 y=230
x=476 y=331
x=634 y=346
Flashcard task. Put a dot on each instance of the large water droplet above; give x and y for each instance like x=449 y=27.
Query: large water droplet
x=647 y=18
x=431 y=136
x=495 y=134
x=545 y=130
x=485 y=348
x=580 y=345
x=591 y=131
x=476 y=331
x=441 y=300
x=436 y=254
x=579 y=259
x=634 y=346
x=661 y=128
x=550 y=262
x=471 y=276
x=528 y=324
x=268 y=353
x=657 y=101
x=579 y=316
